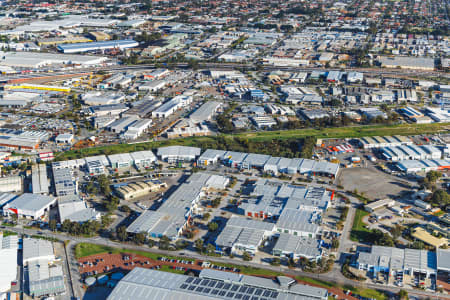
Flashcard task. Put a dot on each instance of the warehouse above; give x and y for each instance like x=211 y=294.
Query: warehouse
x=74 y=209
x=138 y=189
x=143 y=159
x=372 y=206
x=153 y=86
x=296 y=247
x=173 y=216
x=394 y=261
x=39 y=179
x=64 y=182
x=205 y=112
x=32 y=206
x=41 y=276
x=414 y=166
x=65 y=138
x=95 y=165
x=106 y=110
x=408 y=62
x=174 y=154
x=298 y=223
x=263 y=121
x=10 y=184
x=243 y=235
x=142 y=108
x=137 y=128
x=384 y=141
x=120 y=161
x=143 y=283
x=103 y=45
x=210 y=157
x=8 y=260
x=122 y=124
x=35 y=60
x=411 y=152
x=171 y=106
x=443 y=261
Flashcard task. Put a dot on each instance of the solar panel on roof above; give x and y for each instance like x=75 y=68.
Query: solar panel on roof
x=206 y=290
x=205 y=282
x=274 y=294
x=212 y=283
x=246 y=297
x=258 y=292
x=266 y=293
x=199 y=289
x=238 y=296
x=197 y=281
x=220 y=285
x=234 y=288
x=243 y=289
x=191 y=287
x=255 y=298
x=215 y=292
x=230 y=294
x=250 y=290
x=183 y=286
x=189 y=279
x=227 y=286
x=222 y=293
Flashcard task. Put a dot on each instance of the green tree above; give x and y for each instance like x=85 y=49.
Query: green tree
x=198 y=244
x=139 y=238
x=213 y=226
x=210 y=249
x=335 y=244
x=52 y=224
x=122 y=234
x=440 y=198
x=66 y=225
x=164 y=243
x=403 y=295
x=246 y=256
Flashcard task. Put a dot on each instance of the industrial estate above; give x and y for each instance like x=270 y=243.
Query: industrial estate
x=249 y=150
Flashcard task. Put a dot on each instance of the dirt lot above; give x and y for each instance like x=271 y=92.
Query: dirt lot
x=373 y=183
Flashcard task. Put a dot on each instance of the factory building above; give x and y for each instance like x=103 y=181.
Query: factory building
x=143 y=283
x=372 y=206
x=171 y=106
x=243 y=235
x=143 y=159
x=296 y=247
x=64 y=182
x=32 y=206
x=42 y=276
x=410 y=152
x=174 y=215
x=172 y=154
x=384 y=141
x=138 y=189
x=74 y=209
x=205 y=112
x=414 y=166
x=393 y=261
x=39 y=179
x=10 y=184
x=94 y=46
x=408 y=62
x=120 y=161
x=8 y=260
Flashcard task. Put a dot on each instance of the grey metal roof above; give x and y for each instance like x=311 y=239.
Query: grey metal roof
x=31 y=202
x=292 y=219
x=205 y=111
x=151 y=284
x=5 y=198
x=34 y=249
x=179 y=151
x=145 y=222
x=45 y=280
x=211 y=154
x=443 y=259
x=302 y=246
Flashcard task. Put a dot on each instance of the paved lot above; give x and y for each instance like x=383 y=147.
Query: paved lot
x=372 y=182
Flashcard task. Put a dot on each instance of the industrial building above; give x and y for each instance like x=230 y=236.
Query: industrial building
x=120 y=161
x=172 y=154
x=35 y=60
x=138 y=189
x=10 y=184
x=295 y=247
x=171 y=106
x=243 y=235
x=384 y=141
x=122 y=124
x=408 y=62
x=64 y=182
x=65 y=138
x=141 y=284
x=32 y=206
x=137 y=128
x=142 y=108
x=372 y=206
x=143 y=159
x=105 y=110
x=95 y=46
x=95 y=165
x=414 y=166
x=74 y=209
x=8 y=261
x=43 y=276
x=205 y=112
x=393 y=261
x=410 y=152
x=39 y=179
x=174 y=215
